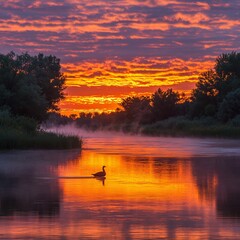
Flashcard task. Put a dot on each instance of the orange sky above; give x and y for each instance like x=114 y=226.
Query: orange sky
x=100 y=86
x=113 y=49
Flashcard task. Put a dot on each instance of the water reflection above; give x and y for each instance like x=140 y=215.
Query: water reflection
x=28 y=196
x=21 y=191
x=188 y=195
x=218 y=179
x=150 y=197
x=101 y=179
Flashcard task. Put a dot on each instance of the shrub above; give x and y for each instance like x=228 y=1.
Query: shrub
x=12 y=139
x=230 y=107
x=235 y=122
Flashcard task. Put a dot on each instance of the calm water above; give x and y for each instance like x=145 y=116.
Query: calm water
x=156 y=188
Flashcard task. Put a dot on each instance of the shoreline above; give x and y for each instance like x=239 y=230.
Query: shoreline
x=11 y=139
x=213 y=131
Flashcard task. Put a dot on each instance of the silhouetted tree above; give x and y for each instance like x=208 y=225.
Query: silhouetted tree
x=230 y=106
x=30 y=85
x=227 y=65
x=228 y=74
x=47 y=72
x=55 y=118
x=205 y=93
x=84 y=119
x=214 y=85
x=164 y=104
x=137 y=109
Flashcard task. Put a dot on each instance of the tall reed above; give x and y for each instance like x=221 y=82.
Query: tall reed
x=15 y=139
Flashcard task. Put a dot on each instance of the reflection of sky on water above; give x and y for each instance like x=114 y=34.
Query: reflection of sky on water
x=114 y=143
x=152 y=190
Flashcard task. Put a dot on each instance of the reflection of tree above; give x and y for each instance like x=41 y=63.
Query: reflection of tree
x=217 y=178
x=226 y=192
x=22 y=191
x=204 y=172
x=27 y=194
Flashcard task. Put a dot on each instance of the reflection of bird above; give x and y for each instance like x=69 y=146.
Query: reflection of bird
x=100 y=174
x=102 y=179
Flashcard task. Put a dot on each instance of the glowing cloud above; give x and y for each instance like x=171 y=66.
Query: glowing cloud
x=135 y=44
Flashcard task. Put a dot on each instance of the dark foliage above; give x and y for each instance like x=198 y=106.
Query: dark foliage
x=230 y=106
x=137 y=109
x=215 y=85
x=30 y=86
x=164 y=104
x=214 y=102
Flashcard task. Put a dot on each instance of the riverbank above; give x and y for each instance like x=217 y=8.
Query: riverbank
x=14 y=139
x=18 y=132
x=183 y=127
x=177 y=127
x=207 y=131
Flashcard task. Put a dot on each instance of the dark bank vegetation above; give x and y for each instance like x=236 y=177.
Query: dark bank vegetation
x=30 y=88
x=212 y=109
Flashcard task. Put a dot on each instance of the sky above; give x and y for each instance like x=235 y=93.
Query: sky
x=113 y=49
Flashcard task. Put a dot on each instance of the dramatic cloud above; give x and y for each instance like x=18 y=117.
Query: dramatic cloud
x=126 y=43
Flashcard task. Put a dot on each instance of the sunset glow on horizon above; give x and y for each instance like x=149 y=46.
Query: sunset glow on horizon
x=110 y=50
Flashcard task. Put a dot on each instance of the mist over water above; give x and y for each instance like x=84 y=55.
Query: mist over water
x=129 y=144
x=155 y=188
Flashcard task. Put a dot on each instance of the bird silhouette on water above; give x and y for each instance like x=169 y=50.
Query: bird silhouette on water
x=100 y=174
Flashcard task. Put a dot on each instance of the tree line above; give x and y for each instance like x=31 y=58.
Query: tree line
x=216 y=96
x=32 y=86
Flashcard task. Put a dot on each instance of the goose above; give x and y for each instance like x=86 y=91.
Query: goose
x=100 y=174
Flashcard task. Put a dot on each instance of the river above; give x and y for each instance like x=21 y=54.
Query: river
x=155 y=188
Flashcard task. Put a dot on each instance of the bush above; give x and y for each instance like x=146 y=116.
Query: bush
x=5 y=118
x=230 y=107
x=235 y=122
x=12 y=139
x=20 y=123
x=210 y=110
x=26 y=124
x=18 y=132
x=182 y=126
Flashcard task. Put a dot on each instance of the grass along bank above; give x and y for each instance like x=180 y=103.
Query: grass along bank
x=17 y=132
x=12 y=139
x=205 y=127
